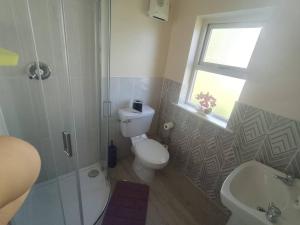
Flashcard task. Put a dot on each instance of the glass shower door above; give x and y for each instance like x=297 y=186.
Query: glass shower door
x=36 y=106
x=57 y=97
x=104 y=40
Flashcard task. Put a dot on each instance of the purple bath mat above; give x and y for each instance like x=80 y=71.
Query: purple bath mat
x=128 y=205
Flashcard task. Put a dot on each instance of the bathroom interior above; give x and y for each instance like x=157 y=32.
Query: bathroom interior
x=156 y=112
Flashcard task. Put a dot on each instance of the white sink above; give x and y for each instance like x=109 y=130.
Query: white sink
x=253 y=185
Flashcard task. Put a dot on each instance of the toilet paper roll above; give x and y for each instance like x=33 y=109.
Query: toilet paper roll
x=168 y=126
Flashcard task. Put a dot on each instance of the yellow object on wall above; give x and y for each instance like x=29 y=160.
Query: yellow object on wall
x=8 y=58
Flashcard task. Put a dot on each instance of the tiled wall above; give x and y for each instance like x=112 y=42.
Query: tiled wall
x=125 y=89
x=206 y=153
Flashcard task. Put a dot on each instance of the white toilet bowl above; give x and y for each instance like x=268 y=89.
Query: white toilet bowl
x=150 y=155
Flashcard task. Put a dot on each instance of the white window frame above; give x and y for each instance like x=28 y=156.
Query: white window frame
x=199 y=64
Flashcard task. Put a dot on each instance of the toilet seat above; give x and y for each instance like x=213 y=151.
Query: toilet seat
x=152 y=153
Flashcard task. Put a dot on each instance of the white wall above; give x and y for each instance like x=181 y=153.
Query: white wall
x=274 y=78
x=273 y=81
x=139 y=43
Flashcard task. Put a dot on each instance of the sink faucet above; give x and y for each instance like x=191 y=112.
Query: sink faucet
x=273 y=213
x=288 y=179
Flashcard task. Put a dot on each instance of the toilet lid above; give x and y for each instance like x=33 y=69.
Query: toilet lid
x=152 y=151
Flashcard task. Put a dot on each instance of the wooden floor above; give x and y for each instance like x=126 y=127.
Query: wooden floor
x=173 y=200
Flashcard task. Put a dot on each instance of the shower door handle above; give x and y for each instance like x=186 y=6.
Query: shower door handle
x=67 y=144
x=107 y=108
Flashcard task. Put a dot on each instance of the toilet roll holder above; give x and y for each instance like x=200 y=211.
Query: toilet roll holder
x=167 y=128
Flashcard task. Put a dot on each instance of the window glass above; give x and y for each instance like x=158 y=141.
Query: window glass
x=226 y=90
x=231 y=46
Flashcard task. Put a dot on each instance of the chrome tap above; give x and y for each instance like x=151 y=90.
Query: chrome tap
x=288 y=179
x=273 y=213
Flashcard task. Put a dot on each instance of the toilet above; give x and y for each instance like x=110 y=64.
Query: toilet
x=150 y=155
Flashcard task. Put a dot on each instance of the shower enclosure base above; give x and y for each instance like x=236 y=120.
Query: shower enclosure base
x=43 y=205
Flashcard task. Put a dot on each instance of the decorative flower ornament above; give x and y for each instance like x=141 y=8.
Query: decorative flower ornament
x=206 y=101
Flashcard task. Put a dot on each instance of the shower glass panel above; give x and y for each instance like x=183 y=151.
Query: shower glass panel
x=37 y=110
x=104 y=38
x=83 y=35
x=63 y=39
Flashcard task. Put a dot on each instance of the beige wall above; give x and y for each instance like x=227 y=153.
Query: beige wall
x=273 y=83
x=274 y=77
x=142 y=47
x=185 y=14
x=139 y=43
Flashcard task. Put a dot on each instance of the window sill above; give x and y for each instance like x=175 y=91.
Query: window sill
x=220 y=123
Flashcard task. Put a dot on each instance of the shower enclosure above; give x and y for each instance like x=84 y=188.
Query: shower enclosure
x=57 y=99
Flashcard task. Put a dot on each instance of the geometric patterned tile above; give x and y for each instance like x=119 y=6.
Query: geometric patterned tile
x=283 y=139
x=251 y=133
x=170 y=94
x=179 y=158
x=280 y=121
x=198 y=147
x=194 y=168
x=211 y=190
x=281 y=144
x=225 y=153
x=203 y=164
x=211 y=147
x=207 y=154
x=207 y=130
x=244 y=147
x=226 y=138
x=195 y=162
x=179 y=152
x=237 y=116
x=211 y=166
x=209 y=183
x=211 y=169
x=220 y=181
x=256 y=123
x=228 y=166
x=279 y=162
x=294 y=166
x=170 y=91
x=181 y=139
x=222 y=176
x=231 y=161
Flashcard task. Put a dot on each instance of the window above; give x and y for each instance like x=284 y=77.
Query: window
x=220 y=68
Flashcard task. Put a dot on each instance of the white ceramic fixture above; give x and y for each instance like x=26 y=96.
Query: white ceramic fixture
x=250 y=189
x=94 y=191
x=150 y=155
